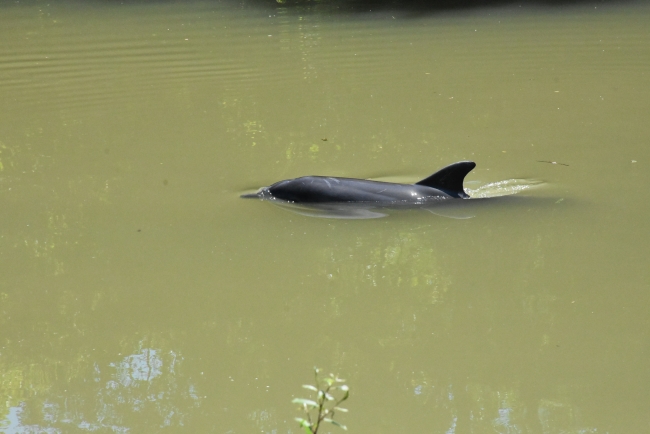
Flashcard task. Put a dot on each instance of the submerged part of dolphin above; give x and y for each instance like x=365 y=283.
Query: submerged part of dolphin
x=447 y=183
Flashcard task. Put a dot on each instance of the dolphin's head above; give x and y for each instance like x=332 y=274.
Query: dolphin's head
x=263 y=193
x=303 y=189
x=288 y=190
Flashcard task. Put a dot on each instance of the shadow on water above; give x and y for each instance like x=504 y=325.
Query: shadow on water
x=420 y=7
x=364 y=6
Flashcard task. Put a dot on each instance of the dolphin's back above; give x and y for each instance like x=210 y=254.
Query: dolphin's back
x=447 y=183
x=320 y=189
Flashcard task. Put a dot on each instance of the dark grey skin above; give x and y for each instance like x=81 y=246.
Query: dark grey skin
x=447 y=183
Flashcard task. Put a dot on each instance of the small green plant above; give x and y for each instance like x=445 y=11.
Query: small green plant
x=330 y=392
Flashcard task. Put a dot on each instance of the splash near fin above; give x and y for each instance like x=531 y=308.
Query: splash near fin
x=450 y=179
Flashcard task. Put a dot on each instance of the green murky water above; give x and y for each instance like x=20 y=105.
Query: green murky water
x=139 y=294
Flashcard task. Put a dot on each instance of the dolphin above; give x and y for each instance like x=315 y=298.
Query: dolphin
x=445 y=184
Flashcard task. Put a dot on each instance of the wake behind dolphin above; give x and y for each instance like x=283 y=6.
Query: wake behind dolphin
x=332 y=197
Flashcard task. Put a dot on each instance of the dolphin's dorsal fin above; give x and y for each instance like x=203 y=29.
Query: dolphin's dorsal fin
x=450 y=178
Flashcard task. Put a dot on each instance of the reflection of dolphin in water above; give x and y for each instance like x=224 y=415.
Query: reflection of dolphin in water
x=331 y=197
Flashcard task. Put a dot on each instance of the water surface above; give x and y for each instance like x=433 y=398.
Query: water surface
x=140 y=294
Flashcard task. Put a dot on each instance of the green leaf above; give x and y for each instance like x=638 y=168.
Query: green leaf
x=310 y=387
x=329 y=397
x=333 y=422
x=303 y=422
x=307 y=402
x=344 y=410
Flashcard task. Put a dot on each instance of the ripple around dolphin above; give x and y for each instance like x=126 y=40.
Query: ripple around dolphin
x=499 y=192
